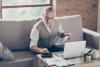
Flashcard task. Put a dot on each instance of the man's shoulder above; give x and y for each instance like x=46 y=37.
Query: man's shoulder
x=38 y=23
x=57 y=22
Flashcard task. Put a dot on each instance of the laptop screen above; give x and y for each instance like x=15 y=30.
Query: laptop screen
x=74 y=49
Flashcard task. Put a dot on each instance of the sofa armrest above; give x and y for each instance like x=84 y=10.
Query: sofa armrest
x=92 y=38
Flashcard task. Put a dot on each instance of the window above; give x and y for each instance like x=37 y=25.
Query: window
x=23 y=9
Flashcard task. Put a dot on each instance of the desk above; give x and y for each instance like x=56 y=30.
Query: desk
x=79 y=62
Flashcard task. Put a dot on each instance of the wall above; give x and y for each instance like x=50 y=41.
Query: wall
x=0 y=9
x=87 y=8
x=98 y=25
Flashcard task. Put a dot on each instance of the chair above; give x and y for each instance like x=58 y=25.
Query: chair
x=73 y=24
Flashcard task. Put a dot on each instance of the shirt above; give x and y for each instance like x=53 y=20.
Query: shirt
x=35 y=34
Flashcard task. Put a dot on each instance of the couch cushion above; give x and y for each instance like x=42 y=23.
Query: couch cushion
x=72 y=24
x=16 y=34
x=23 y=59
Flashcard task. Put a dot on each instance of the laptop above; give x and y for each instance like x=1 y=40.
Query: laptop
x=74 y=49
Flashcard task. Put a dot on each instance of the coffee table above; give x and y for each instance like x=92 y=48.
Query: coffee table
x=78 y=61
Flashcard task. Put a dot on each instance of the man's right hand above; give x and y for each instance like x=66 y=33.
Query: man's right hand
x=44 y=50
x=39 y=50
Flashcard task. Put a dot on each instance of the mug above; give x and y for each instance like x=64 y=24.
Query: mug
x=96 y=54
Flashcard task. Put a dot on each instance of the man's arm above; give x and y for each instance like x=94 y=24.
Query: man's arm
x=34 y=36
x=62 y=33
x=60 y=30
x=39 y=50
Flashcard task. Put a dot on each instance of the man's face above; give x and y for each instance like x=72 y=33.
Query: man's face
x=50 y=17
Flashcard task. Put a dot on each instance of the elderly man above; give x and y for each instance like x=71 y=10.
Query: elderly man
x=44 y=33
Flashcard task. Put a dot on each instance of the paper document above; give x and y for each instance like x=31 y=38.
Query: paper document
x=58 y=61
x=62 y=40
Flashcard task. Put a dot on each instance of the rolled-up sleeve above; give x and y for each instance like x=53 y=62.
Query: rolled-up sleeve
x=60 y=30
x=34 y=36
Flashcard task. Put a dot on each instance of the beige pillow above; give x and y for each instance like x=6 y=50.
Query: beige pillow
x=5 y=53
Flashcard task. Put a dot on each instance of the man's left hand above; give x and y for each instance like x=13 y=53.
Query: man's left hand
x=69 y=34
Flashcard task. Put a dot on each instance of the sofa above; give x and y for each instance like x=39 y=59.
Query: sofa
x=15 y=34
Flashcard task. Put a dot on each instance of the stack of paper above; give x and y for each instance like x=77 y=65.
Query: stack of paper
x=58 y=61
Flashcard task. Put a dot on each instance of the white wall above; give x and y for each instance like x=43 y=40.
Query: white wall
x=98 y=25
x=0 y=9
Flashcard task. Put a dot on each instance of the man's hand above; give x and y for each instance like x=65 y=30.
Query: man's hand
x=69 y=34
x=44 y=50
x=39 y=50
